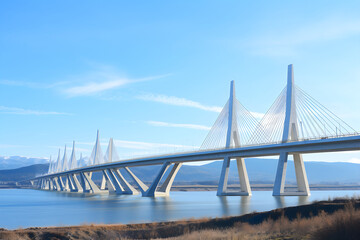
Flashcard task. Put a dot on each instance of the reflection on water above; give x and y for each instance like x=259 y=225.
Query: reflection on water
x=227 y=209
x=245 y=205
x=281 y=200
x=25 y=208
x=224 y=205
x=303 y=200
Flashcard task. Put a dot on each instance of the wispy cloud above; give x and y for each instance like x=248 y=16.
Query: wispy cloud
x=178 y=125
x=92 y=88
x=171 y=100
x=102 y=78
x=20 y=83
x=29 y=84
x=22 y=111
x=287 y=43
x=148 y=145
x=101 y=81
x=11 y=146
x=139 y=145
x=176 y=101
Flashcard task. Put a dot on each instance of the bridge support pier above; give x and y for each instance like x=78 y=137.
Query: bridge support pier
x=47 y=184
x=301 y=178
x=124 y=186
x=291 y=132
x=70 y=180
x=77 y=185
x=67 y=184
x=111 y=186
x=43 y=184
x=51 y=185
x=154 y=190
x=142 y=187
x=245 y=189
x=55 y=184
x=118 y=188
x=87 y=178
x=104 y=181
x=85 y=186
x=166 y=186
x=59 y=184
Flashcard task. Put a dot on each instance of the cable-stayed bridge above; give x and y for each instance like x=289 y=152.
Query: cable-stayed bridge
x=295 y=124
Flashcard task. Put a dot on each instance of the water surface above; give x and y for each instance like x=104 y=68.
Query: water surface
x=34 y=208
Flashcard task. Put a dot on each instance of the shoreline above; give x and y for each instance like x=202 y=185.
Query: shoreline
x=180 y=227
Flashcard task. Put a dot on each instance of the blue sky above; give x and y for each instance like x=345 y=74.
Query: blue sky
x=154 y=74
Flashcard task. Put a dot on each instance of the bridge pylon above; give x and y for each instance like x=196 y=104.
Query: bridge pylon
x=233 y=140
x=291 y=133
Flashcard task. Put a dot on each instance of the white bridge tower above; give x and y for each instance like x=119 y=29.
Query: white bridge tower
x=233 y=140
x=291 y=133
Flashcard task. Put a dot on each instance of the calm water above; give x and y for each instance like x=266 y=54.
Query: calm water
x=28 y=208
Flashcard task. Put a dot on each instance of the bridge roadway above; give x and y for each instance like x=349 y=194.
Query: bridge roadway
x=347 y=143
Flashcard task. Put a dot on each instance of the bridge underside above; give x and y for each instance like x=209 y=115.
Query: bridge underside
x=113 y=181
x=81 y=180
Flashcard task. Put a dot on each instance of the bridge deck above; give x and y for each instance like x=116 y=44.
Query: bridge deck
x=351 y=143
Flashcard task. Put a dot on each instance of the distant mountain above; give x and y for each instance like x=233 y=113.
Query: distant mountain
x=262 y=171
x=18 y=161
x=23 y=173
x=13 y=162
x=259 y=171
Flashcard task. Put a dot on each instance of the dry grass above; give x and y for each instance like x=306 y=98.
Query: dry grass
x=341 y=225
x=336 y=219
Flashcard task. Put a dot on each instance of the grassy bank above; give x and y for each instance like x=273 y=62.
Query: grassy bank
x=336 y=219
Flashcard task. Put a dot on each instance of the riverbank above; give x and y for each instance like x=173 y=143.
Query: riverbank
x=319 y=220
